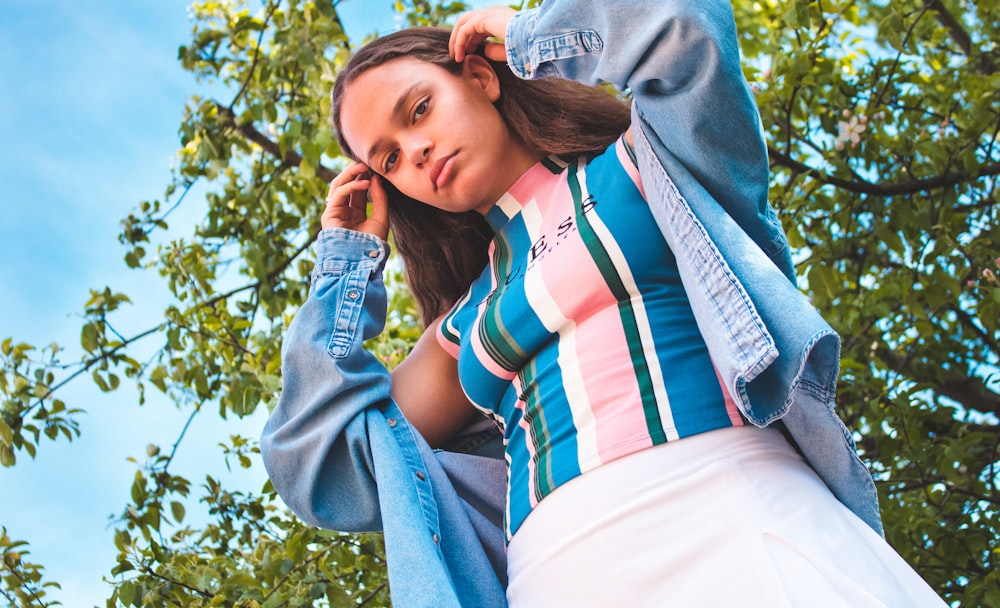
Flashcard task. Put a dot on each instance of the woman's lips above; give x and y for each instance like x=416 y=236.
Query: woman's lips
x=441 y=172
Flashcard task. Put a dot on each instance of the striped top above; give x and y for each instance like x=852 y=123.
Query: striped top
x=578 y=338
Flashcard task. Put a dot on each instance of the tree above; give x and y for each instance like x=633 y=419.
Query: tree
x=882 y=126
x=881 y=120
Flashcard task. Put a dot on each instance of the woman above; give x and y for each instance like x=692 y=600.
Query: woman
x=635 y=312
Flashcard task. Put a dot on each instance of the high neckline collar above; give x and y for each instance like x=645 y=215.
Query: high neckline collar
x=520 y=192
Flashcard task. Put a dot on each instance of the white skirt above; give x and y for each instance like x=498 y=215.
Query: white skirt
x=733 y=517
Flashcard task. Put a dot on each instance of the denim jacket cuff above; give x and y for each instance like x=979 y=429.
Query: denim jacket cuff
x=340 y=251
x=530 y=56
x=517 y=41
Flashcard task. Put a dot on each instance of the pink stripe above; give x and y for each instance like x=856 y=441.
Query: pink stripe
x=631 y=169
x=538 y=183
x=484 y=357
x=611 y=389
x=731 y=409
x=449 y=347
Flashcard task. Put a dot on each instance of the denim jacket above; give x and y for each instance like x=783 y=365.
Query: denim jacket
x=337 y=448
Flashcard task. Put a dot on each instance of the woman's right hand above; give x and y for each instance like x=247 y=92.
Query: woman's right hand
x=475 y=27
x=347 y=202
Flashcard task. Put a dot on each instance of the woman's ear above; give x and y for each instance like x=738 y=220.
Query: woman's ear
x=478 y=69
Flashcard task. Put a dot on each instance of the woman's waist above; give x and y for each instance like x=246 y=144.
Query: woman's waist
x=546 y=453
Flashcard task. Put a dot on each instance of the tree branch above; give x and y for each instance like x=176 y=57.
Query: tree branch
x=946 y=180
x=256 y=56
x=970 y=391
x=962 y=39
x=25 y=585
x=89 y=363
x=289 y=158
x=288 y=575
x=969 y=323
x=154 y=574
x=950 y=23
x=372 y=595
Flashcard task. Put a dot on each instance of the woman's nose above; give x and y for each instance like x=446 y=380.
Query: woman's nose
x=418 y=151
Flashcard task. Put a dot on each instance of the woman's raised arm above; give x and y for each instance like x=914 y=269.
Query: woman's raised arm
x=680 y=62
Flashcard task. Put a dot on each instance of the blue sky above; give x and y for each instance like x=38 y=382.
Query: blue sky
x=92 y=96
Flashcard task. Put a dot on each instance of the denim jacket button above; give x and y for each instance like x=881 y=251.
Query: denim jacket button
x=527 y=67
x=392 y=422
x=353 y=294
x=421 y=476
x=373 y=253
x=437 y=539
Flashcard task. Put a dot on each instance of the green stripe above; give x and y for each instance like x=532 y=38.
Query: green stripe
x=445 y=331
x=496 y=339
x=625 y=308
x=538 y=432
x=553 y=164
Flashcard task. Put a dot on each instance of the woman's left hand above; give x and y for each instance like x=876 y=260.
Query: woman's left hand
x=347 y=202
x=474 y=27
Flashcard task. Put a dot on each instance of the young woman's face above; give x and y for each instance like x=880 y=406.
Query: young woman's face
x=434 y=135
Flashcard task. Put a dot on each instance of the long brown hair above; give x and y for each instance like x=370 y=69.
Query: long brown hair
x=444 y=252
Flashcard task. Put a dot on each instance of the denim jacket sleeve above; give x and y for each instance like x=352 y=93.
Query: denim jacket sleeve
x=315 y=444
x=680 y=62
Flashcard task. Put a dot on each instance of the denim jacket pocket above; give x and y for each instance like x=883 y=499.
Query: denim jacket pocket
x=566 y=46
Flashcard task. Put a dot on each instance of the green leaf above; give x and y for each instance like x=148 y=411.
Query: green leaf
x=100 y=382
x=7 y=457
x=89 y=337
x=177 y=510
x=122 y=539
x=242 y=579
x=6 y=434
x=821 y=280
x=127 y=593
x=139 y=494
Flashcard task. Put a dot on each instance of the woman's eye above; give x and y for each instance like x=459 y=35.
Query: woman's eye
x=420 y=109
x=390 y=161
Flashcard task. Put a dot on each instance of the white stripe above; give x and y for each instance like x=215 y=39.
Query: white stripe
x=448 y=320
x=509 y=205
x=506 y=518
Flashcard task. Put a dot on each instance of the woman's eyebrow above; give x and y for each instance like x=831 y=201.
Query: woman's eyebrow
x=396 y=115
